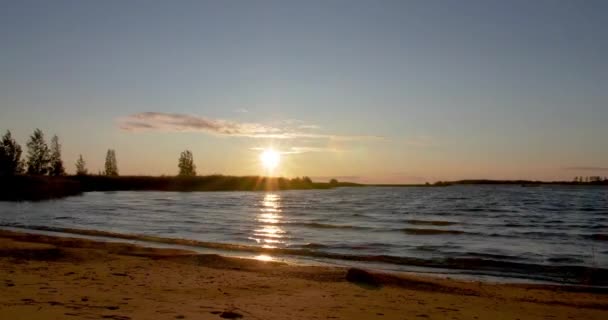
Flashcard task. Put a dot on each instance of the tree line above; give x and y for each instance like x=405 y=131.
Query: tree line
x=44 y=160
x=41 y=159
x=590 y=179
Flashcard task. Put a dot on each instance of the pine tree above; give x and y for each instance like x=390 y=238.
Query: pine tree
x=38 y=156
x=111 y=167
x=186 y=165
x=56 y=168
x=81 y=167
x=10 y=156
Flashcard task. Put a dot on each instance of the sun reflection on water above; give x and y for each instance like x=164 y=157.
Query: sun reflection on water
x=263 y=257
x=269 y=232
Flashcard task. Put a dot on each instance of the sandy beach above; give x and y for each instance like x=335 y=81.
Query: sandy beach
x=45 y=277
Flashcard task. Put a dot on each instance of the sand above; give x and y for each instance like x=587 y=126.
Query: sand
x=43 y=277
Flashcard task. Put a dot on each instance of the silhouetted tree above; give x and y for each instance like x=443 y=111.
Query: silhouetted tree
x=333 y=182
x=10 y=156
x=56 y=168
x=307 y=180
x=37 y=154
x=111 y=167
x=81 y=167
x=186 y=165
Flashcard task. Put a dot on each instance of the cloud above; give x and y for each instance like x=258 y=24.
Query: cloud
x=299 y=150
x=583 y=168
x=241 y=110
x=420 y=141
x=174 y=122
x=309 y=126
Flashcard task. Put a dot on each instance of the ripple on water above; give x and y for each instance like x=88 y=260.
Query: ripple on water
x=396 y=224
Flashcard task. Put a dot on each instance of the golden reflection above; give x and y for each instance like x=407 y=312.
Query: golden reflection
x=269 y=232
x=264 y=257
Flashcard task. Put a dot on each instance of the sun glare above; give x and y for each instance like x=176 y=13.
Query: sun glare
x=270 y=159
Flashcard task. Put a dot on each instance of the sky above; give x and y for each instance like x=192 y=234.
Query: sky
x=368 y=91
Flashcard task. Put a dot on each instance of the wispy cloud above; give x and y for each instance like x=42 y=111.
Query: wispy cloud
x=585 y=168
x=309 y=126
x=174 y=122
x=420 y=141
x=299 y=150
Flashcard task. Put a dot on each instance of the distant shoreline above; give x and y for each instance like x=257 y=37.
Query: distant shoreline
x=35 y=188
x=523 y=183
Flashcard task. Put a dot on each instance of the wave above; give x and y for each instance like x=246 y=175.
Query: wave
x=414 y=231
x=324 y=225
x=589 y=209
x=564 y=260
x=431 y=222
x=514 y=225
x=313 y=245
x=493 y=256
x=572 y=274
x=540 y=234
x=597 y=236
x=437 y=248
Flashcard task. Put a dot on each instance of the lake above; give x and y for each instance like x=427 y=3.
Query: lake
x=550 y=233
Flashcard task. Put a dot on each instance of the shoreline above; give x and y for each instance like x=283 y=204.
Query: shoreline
x=50 y=277
x=39 y=188
x=465 y=268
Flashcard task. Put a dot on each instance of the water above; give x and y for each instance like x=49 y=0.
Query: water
x=549 y=233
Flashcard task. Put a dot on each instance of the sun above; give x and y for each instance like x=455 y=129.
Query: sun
x=270 y=159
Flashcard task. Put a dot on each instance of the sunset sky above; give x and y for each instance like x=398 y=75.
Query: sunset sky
x=371 y=91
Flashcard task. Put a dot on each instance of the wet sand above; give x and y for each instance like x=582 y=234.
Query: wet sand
x=43 y=277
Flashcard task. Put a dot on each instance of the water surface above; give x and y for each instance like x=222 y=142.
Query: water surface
x=558 y=233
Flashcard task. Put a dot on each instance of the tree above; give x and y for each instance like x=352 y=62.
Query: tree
x=186 y=165
x=37 y=154
x=111 y=167
x=81 y=167
x=56 y=168
x=10 y=156
x=333 y=182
